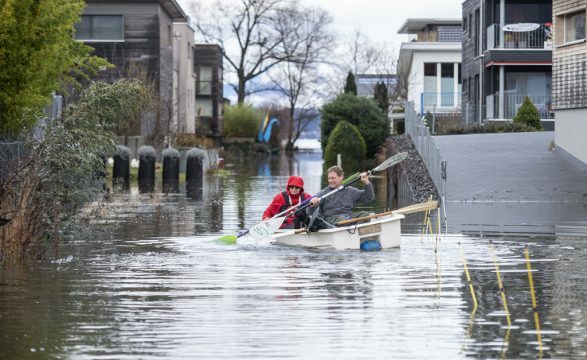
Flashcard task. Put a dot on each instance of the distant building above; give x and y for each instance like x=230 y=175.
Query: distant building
x=184 y=79
x=138 y=37
x=430 y=64
x=208 y=67
x=569 y=77
x=507 y=55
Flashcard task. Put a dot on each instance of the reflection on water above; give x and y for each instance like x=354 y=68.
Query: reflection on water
x=157 y=286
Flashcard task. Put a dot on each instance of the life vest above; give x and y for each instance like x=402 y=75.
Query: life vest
x=287 y=204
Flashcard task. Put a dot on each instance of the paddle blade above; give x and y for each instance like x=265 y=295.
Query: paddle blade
x=266 y=228
x=391 y=161
x=227 y=240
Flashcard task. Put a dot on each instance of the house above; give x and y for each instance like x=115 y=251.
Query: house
x=430 y=64
x=507 y=55
x=208 y=67
x=569 y=77
x=184 y=79
x=138 y=37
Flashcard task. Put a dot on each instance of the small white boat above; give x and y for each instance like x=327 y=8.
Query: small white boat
x=380 y=233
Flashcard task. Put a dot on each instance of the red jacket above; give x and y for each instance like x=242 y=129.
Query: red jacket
x=278 y=204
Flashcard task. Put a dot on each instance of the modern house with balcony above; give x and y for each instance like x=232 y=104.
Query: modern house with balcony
x=138 y=37
x=569 y=77
x=507 y=55
x=430 y=64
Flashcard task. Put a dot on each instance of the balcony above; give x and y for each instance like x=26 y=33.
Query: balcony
x=513 y=101
x=539 y=38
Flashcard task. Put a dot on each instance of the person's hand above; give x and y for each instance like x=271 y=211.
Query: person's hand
x=315 y=201
x=365 y=178
x=265 y=219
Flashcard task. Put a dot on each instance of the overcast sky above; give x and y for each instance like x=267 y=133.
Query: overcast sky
x=379 y=19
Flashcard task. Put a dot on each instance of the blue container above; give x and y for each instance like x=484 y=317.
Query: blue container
x=370 y=245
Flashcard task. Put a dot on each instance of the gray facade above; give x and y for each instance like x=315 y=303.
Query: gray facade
x=208 y=67
x=143 y=49
x=507 y=55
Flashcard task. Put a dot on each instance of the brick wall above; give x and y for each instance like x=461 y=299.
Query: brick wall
x=569 y=62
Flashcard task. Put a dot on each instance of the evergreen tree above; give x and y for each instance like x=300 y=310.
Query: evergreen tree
x=351 y=86
x=381 y=96
x=528 y=114
x=359 y=111
x=38 y=55
x=347 y=141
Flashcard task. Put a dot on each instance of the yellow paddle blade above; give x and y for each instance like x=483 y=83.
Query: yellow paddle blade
x=226 y=240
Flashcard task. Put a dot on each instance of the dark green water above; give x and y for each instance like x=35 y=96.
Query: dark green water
x=151 y=283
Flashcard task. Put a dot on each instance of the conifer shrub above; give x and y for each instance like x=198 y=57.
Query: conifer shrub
x=528 y=114
x=346 y=140
x=359 y=111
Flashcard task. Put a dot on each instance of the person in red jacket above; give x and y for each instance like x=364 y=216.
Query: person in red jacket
x=293 y=194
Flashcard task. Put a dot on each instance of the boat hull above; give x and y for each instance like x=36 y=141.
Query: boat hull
x=386 y=231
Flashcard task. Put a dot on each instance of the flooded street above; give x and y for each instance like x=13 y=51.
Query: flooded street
x=151 y=283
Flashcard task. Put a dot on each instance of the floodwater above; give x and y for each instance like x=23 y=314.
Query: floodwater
x=151 y=283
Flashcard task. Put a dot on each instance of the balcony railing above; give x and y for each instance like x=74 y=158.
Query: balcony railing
x=512 y=103
x=539 y=38
x=440 y=102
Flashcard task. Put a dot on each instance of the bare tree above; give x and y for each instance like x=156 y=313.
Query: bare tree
x=307 y=42
x=359 y=54
x=246 y=30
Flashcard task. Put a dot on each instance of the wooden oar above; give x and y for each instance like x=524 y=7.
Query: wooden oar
x=429 y=205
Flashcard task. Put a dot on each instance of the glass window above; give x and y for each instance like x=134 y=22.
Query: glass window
x=574 y=26
x=100 y=28
x=430 y=84
x=447 y=84
x=205 y=80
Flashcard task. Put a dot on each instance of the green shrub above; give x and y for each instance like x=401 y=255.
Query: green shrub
x=528 y=114
x=486 y=128
x=347 y=141
x=361 y=112
x=241 y=121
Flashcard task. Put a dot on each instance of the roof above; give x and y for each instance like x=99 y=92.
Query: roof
x=408 y=49
x=412 y=26
x=172 y=8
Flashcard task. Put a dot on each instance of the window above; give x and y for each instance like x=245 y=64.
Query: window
x=465 y=25
x=204 y=80
x=430 y=84
x=100 y=28
x=574 y=26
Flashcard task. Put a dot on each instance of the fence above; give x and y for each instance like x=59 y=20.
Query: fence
x=428 y=151
x=512 y=102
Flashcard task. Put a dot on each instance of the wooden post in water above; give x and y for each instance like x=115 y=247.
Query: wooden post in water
x=170 y=170
x=121 y=169
x=194 y=172
x=147 y=157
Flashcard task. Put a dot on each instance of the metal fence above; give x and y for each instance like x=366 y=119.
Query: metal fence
x=429 y=152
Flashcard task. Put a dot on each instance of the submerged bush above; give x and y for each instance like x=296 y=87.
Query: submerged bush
x=346 y=140
x=60 y=172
